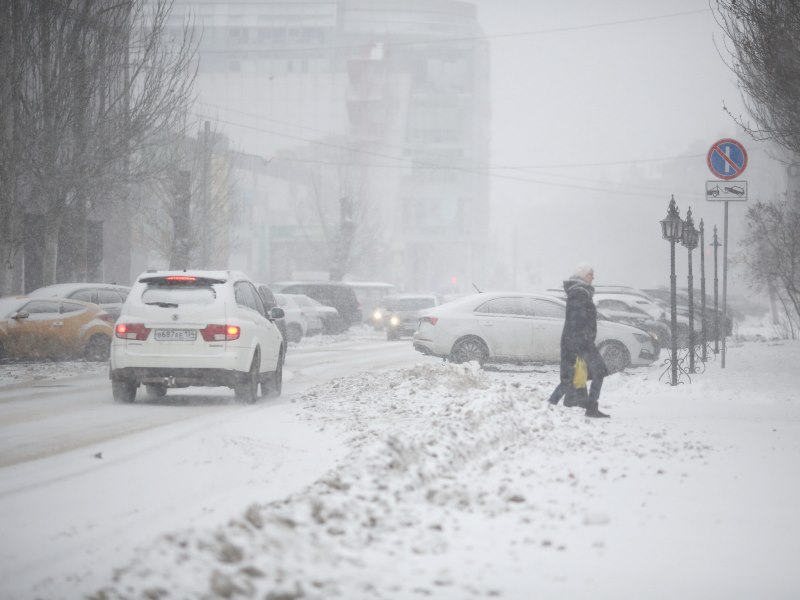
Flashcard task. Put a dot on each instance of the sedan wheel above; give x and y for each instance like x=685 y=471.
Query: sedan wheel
x=99 y=348
x=248 y=390
x=469 y=349
x=615 y=355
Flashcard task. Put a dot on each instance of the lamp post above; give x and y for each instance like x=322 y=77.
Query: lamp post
x=703 y=339
x=690 y=243
x=672 y=231
x=716 y=245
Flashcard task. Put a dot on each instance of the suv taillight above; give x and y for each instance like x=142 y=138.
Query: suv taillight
x=220 y=333
x=431 y=320
x=132 y=331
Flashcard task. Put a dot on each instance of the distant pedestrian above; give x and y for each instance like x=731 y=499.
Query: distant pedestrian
x=577 y=339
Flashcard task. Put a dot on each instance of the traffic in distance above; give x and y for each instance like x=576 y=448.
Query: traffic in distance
x=176 y=329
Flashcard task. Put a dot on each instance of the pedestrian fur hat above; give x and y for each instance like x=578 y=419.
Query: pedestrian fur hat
x=583 y=269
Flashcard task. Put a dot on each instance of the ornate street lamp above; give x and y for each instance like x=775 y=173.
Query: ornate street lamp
x=716 y=245
x=690 y=235
x=704 y=337
x=672 y=231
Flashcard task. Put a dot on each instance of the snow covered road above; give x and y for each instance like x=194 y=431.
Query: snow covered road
x=429 y=480
x=84 y=480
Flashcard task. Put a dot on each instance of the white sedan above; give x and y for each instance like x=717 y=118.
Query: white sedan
x=520 y=327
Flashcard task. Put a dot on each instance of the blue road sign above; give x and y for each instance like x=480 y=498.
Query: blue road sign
x=727 y=159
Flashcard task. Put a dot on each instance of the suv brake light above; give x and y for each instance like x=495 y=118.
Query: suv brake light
x=180 y=278
x=132 y=331
x=431 y=320
x=221 y=333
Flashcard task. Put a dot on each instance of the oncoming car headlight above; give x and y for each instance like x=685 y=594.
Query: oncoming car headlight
x=394 y=320
x=377 y=315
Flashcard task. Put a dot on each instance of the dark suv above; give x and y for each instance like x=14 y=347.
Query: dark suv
x=332 y=293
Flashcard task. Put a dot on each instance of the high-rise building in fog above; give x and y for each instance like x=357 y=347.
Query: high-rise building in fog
x=396 y=89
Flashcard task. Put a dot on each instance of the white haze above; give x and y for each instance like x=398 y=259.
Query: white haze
x=579 y=92
x=600 y=112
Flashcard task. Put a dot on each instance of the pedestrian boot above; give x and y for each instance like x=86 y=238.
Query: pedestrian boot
x=593 y=412
x=576 y=397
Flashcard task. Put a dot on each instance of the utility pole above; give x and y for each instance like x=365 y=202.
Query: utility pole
x=204 y=232
x=181 y=193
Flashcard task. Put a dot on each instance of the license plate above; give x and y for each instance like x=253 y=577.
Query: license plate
x=175 y=335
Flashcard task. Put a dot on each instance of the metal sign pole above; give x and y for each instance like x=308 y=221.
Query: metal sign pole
x=725 y=286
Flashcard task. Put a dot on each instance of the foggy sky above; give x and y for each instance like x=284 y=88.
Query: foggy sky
x=605 y=82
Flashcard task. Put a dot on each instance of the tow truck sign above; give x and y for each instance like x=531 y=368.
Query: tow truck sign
x=724 y=191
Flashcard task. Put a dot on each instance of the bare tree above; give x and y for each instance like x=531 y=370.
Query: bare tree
x=16 y=29
x=772 y=257
x=98 y=84
x=763 y=49
x=336 y=210
x=186 y=214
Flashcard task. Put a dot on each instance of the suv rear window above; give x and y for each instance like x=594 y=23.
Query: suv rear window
x=178 y=296
x=179 y=290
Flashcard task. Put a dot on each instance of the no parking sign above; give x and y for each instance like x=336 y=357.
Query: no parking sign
x=727 y=159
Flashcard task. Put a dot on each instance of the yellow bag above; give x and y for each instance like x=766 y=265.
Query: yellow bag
x=581 y=374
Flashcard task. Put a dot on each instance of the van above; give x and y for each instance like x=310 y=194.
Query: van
x=332 y=293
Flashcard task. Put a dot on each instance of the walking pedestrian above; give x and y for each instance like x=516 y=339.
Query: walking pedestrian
x=577 y=339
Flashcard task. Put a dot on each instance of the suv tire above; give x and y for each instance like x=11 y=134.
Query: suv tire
x=156 y=390
x=294 y=332
x=123 y=391
x=247 y=391
x=272 y=386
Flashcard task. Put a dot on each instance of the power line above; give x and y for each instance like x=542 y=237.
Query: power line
x=418 y=164
x=462 y=39
x=482 y=167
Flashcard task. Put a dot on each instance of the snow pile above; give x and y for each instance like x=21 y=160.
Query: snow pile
x=438 y=451
x=25 y=371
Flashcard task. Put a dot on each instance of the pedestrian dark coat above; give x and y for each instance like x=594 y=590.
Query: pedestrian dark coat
x=580 y=331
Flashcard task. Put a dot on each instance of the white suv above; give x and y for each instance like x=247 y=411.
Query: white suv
x=205 y=328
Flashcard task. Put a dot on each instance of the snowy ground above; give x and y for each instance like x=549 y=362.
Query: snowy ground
x=463 y=483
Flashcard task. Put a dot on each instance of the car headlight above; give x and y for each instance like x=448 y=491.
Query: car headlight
x=377 y=316
x=644 y=338
x=394 y=320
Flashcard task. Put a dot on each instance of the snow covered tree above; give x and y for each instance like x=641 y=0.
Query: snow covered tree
x=772 y=253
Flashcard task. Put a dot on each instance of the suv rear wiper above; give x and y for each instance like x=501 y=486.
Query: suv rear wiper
x=162 y=304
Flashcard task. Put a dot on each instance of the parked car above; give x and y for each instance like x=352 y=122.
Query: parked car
x=339 y=295
x=54 y=328
x=401 y=313
x=268 y=298
x=298 y=324
x=682 y=308
x=196 y=328
x=371 y=296
x=108 y=296
x=520 y=327
x=329 y=318
x=620 y=311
